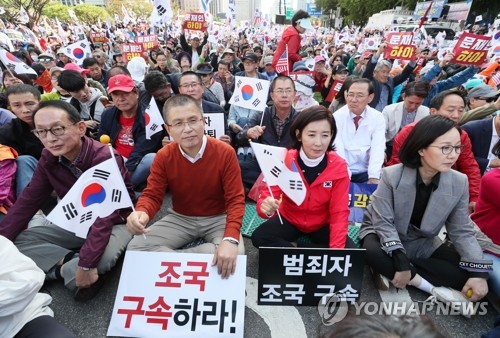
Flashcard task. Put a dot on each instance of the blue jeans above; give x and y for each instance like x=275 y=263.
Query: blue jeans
x=494 y=281
x=26 y=165
x=141 y=173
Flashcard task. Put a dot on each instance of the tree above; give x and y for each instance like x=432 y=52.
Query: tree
x=33 y=8
x=90 y=13
x=57 y=10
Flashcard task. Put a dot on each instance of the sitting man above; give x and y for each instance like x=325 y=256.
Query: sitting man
x=95 y=70
x=17 y=134
x=125 y=125
x=450 y=104
x=271 y=127
x=67 y=154
x=212 y=210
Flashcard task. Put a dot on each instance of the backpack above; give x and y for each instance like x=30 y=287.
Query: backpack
x=8 y=168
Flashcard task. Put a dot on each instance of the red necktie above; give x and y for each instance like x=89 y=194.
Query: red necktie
x=356 y=121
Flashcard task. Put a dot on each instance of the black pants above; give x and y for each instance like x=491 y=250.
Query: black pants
x=250 y=171
x=44 y=327
x=359 y=178
x=440 y=269
x=274 y=234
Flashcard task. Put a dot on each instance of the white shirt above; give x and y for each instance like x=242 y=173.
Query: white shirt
x=363 y=149
x=494 y=140
x=200 y=152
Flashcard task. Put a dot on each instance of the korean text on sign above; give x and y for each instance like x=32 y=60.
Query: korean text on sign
x=471 y=49
x=131 y=50
x=177 y=295
x=400 y=46
x=195 y=22
x=304 y=276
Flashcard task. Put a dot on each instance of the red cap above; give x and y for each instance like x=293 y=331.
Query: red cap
x=120 y=82
x=367 y=55
x=74 y=66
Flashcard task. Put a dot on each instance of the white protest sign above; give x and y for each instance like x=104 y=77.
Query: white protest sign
x=214 y=124
x=163 y=294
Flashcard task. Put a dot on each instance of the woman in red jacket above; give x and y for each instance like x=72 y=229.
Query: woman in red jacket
x=291 y=36
x=323 y=215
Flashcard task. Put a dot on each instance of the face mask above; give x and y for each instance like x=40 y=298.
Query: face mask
x=34 y=58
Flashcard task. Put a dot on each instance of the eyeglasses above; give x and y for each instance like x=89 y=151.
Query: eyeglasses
x=446 y=150
x=284 y=91
x=356 y=96
x=97 y=56
x=487 y=99
x=190 y=85
x=193 y=122
x=56 y=131
x=44 y=59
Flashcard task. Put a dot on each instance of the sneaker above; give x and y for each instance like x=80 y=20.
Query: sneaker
x=381 y=282
x=456 y=299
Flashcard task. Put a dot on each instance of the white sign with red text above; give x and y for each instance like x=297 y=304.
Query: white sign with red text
x=164 y=294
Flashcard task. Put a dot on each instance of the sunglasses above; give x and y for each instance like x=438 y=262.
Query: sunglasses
x=487 y=99
x=45 y=60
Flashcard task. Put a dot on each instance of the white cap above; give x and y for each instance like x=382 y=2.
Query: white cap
x=137 y=67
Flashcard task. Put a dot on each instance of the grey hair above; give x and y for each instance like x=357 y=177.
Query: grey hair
x=382 y=63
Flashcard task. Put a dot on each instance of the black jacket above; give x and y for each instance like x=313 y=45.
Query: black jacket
x=17 y=134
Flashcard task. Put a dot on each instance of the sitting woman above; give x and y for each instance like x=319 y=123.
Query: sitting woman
x=412 y=203
x=324 y=213
x=487 y=218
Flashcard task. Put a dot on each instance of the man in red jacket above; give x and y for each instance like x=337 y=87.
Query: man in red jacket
x=449 y=103
x=291 y=37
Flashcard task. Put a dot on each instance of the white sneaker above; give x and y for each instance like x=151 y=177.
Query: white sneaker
x=456 y=300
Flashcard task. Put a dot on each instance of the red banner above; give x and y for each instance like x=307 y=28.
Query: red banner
x=471 y=49
x=148 y=41
x=400 y=46
x=130 y=50
x=195 y=22
x=334 y=90
x=293 y=75
x=98 y=37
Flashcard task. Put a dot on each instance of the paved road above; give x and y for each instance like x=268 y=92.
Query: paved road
x=91 y=319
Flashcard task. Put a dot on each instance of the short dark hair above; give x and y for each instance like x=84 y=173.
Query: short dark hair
x=340 y=97
x=361 y=80
x=417 y=88
x=282 y=78
x=116 y=70
x=88 y=62
x=437 y=101
x=155 y=80
x=190 y=72
x=179 y=100
x=224 y=62
x=300 y=14
x=71 y=81
x=23 y=88
x=426 y=131
x=306 y=116
x=73 y=114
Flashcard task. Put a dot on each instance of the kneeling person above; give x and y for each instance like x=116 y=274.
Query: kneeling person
x=204 y=178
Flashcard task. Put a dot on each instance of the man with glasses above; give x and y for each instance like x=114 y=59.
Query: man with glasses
x=67 y=155
x=210 y=208
x=17 y=134
x=451 y=104
x=47 y=60
x=360 y=136
x=271 y=127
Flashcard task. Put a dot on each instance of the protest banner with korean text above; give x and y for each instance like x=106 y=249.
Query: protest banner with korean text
x=471 y=49
x=214 y=124
x=148 y=42
x=401 y=46
x=302 y=276
x=334 y=90
x=131 y=50
x=360 y=196
x=194 y=22
x=98 y=37
x=163 y=294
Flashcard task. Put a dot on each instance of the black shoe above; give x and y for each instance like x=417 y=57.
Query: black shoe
x=83 y=295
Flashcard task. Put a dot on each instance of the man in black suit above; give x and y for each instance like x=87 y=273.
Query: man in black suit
x=483 y=135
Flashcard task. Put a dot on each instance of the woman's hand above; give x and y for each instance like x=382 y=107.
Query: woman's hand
x=269 y=206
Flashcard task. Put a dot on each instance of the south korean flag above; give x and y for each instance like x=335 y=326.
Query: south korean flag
x=153 y=120
x=250 y=93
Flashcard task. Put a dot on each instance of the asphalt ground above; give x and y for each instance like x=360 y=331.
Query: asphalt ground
x=91 y=319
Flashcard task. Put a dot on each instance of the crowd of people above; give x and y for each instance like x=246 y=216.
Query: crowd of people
x=426 y=132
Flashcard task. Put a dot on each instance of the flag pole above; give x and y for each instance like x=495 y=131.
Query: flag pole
x=287 y=62
x=118 y=168
x=8 y=69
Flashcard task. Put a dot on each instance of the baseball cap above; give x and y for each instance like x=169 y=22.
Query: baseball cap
x=339 y=69
x=367 y=55
x=120 y=82
x=55 y=69
x=357 y=56
x=268 y=60
x=137 y=68
x=204 y=68
x=74 y=66
x=305 y=23
x=299 y=65
x=482 y=91
x=250 y=56
x=472 y=83
x=45 y=56
x=228 y=51
x=319 y=58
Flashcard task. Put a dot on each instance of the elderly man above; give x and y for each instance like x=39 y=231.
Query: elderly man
x=95 y=71
x=273 y=128
x=67 y=155
x=360 y=136
x=212 y=210
x=195 y=48
x=383 y=85
x=450 y=104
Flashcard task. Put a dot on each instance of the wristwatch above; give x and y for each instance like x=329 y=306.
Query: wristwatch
x=231 y=240
x=84 y=269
